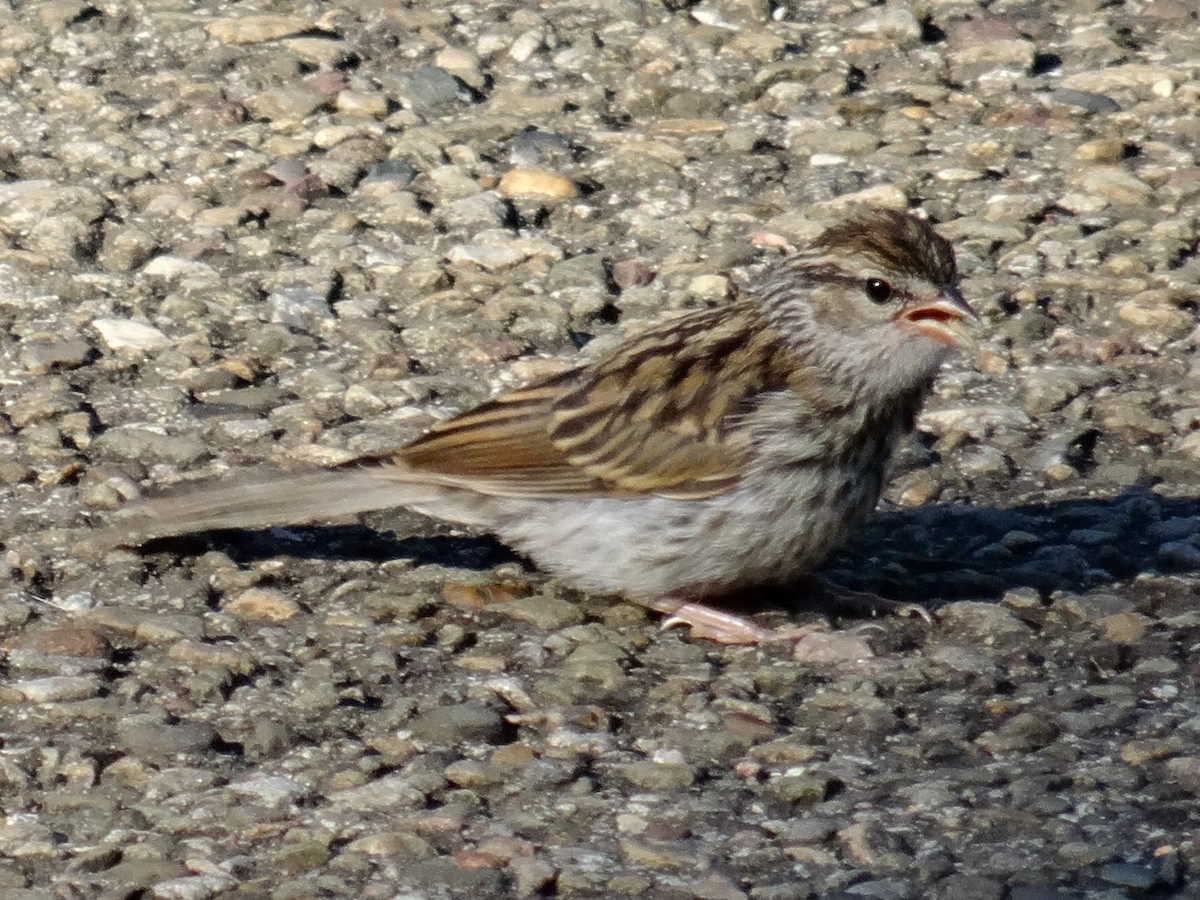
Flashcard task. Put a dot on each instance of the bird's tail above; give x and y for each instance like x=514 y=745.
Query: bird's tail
x=260 y=498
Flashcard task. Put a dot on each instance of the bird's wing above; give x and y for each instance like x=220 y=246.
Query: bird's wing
x=658 y=417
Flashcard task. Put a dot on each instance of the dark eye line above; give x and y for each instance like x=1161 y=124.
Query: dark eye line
x=828 y=276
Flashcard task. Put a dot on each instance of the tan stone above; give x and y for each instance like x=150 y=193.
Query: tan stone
x=536 y=184
x=256 y=29
x=262 y=605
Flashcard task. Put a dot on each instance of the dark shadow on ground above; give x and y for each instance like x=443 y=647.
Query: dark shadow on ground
x=927 y=555
x=955 y=551
x=345 y=542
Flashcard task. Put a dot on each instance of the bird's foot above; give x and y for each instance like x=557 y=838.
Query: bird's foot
x=866 y=604
x=722 y=627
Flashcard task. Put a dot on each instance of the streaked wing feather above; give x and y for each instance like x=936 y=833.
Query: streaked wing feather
x=653 y=419
x=503 y=446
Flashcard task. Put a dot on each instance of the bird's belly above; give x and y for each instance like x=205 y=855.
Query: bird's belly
x=762 y=532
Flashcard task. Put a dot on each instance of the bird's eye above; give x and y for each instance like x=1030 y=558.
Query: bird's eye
x=878 y=290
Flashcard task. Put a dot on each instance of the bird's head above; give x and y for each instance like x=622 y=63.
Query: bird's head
x=875 y=298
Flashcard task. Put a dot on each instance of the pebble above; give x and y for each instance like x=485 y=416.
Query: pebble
x=262 y=605
x=84 y=643
x=976 y=421
x=57 y=688
x=473 y=213
x=1140 y=752
x=371 y=104
x=220 y=656
x=982 y=462
x=1178 y=556
x=1125 y=627
x=326 y=52
x=146 y=443
x=300 y=305
x=286 y=106
x=1014 y=53
x=1185 y=772
x=1113 y=78
x=254 y=29
x=494 y=259
x=542 y=612
x=124 y=334
x=172 y=268
x=1024 y=731
x=429 y=87
x=167 y=628
x=272 y=790
x=1148 y=312
x=651 y=776
x=42 y=355
x=466 y=721
x=392 y=793
x=1113 y=184
x=982 y=624
x=1090 y=101
x=393 y=845
x=710 y=287
x=148 y=737
x=1103 y=150
x=836 y=649
x=536 y=184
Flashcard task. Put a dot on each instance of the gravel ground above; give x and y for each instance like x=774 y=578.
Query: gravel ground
x=232 y=233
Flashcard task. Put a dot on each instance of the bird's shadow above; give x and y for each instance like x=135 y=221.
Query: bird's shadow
x=947 y=551
x=344 y=543
x=931 y=554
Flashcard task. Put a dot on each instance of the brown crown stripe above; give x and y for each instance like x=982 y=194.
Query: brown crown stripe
x=898 y=242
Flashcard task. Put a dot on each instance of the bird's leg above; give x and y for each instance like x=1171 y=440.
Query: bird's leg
x=725 y=627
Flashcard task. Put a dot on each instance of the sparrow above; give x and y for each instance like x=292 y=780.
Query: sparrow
x=724 y=450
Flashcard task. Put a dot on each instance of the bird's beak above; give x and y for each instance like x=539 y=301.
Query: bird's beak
x=946 y=318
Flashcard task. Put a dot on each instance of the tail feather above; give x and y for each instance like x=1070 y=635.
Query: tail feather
x=261 y=498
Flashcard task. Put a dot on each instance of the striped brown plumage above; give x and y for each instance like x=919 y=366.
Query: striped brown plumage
x=720 y=450
x=656 y=417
